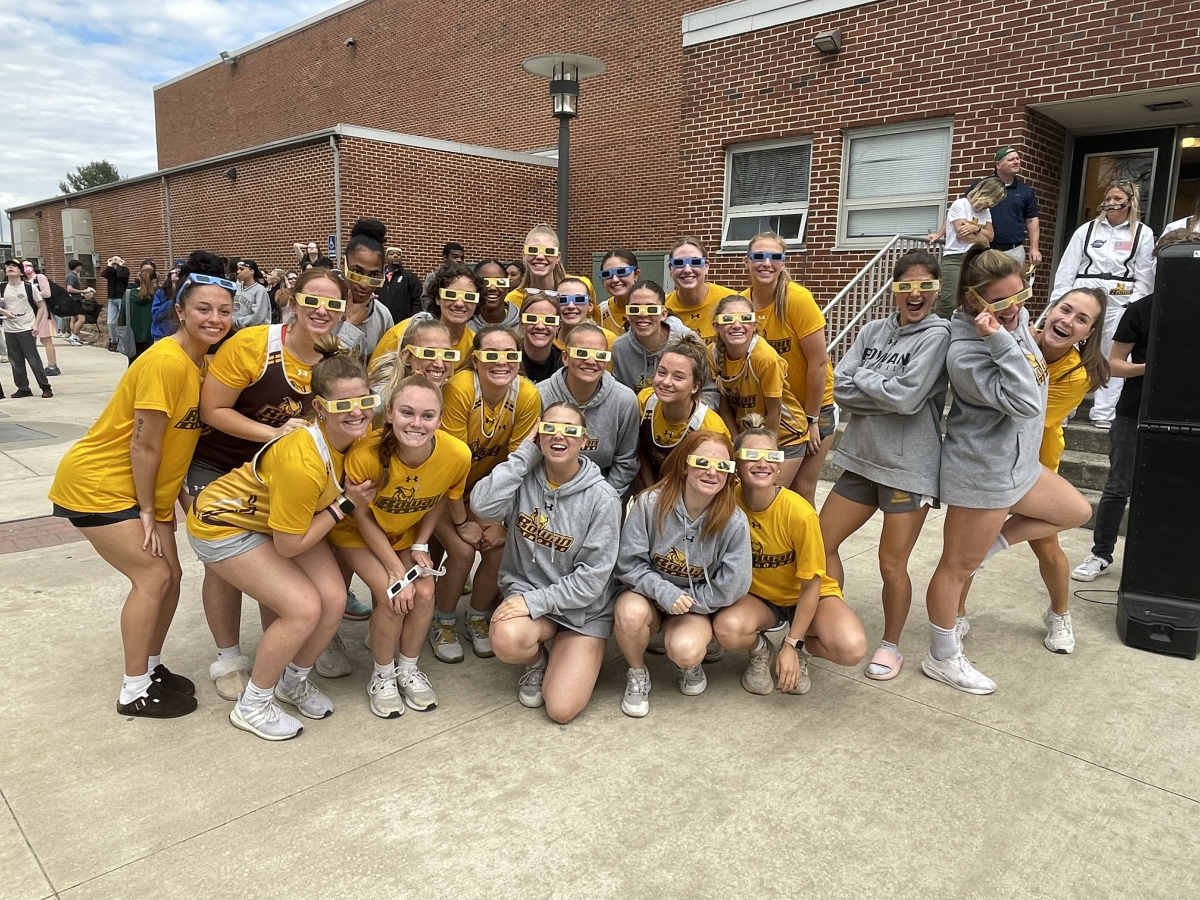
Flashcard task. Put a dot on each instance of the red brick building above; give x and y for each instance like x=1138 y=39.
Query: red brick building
x=711 y=120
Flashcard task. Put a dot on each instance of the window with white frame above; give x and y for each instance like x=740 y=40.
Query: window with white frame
x=766 y=189
x=893 y=182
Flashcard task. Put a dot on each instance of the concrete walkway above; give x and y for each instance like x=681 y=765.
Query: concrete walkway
x=1077 y=778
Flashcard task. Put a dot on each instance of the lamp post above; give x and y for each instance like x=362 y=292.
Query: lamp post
x=565 y=71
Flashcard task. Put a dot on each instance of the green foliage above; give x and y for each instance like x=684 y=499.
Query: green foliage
x=91 y=175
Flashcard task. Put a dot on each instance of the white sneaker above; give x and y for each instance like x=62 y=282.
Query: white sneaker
x=757 y=677
x=477 y=637
x=418 y=692
x=957 y=672
x=443 y=638
x=1102 y=425
x=333 y=661
x=803 y=680
x=384 y=698
x=693 y=681
x=530 y=690
x=1060 y=637
x=1092 y=566
x=266 y=721
x=636 y=701
x=305 y=696
x=714 y=652
x=961 y=627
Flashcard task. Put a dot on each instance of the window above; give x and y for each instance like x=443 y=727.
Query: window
x=893 y=182
x=766 y=189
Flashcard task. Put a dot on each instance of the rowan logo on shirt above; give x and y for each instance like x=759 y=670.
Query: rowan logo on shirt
x=764 y=560
x=781 y=345
x=737 y=401
x=644 y=382
x=479 y=452
x=1039 y=368
x=191 y=420
x=676 y=564
x=233 y=506
x=878 y=359
x=405 y=500
x=532 y=527
x=277 y=414
x=591 y=444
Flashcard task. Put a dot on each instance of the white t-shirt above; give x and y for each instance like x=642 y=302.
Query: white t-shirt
x=17 y=301
x=962 y=209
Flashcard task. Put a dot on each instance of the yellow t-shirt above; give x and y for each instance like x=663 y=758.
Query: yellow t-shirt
x=612 y=319
x=1066 y=393
x=665 y=435
x=402 y=500
x=786 y=545
x=390 y=343
x=240 y=361
x=491 y=433
x=699 y=318
x=745 y=384
x=96 y=475
x=281 y=489
x=802 y=318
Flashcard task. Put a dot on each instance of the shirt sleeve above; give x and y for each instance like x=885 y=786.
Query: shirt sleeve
x=160 y=387
x=1129 y=329
x=959 y=209
x=529 y=409
x=803 y=314
x=362 y=461
x=297 y=482
x=240 y=360
x=810 y=548
x=1031 y=203
x=462 y=470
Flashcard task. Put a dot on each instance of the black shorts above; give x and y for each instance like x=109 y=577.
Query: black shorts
x=95 y=520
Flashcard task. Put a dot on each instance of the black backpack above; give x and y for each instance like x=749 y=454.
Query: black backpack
x=35 y=297
x=60 y=302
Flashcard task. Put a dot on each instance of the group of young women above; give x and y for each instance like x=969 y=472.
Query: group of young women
x=644 y=468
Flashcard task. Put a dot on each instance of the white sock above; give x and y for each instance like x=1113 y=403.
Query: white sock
x=255 y=696
x=227 y=653
x=386 y=672
x=153 y=663
x=879 y=668
x=541 y=660
x=134 y=686
x=1001 y=543
x=475 y=615
x=445 y=617
x=762 y=642
x=943 y=642
x=294 y=673
x=405 y=665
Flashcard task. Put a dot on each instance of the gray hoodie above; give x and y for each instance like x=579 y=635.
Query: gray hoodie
x=994 y=431
x=715 y=571
x=562 y=544
x=612 y=426
x=634 y=366
x=892 y=381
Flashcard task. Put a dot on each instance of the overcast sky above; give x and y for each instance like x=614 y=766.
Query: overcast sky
x=80 y=88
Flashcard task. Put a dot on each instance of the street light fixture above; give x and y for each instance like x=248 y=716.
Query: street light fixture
x=565 y=71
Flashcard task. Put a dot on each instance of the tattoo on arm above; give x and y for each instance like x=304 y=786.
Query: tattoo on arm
x=137 y=436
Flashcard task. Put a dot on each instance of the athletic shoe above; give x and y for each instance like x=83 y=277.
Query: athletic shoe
x=636 y=701
x=1103 y=426
x=172 y=682
x=23 y=392
x=657 y=647
x=333 y=661
x=957 y=672
x=266 y=720
x=1060 y=637
x=1092 y=566
x=803 y=681
x=961 y=628
x=52 y=370
x=418 y=692
x=356 y=610
x=530 y=690
x=443 y=637
x=477 y=637
x=384 y=698
x=757 y=677
x=693 y=681
x=47 y=394
x=158 y=703
x=230 y=676
x=305 y=696
x=714 y=652
x=74 y=341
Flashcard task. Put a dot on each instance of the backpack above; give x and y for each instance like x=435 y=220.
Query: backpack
x=60 y=302
x=34 y=298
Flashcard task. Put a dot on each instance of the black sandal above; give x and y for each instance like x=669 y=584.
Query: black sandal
x=172 y=682
x=159 y=703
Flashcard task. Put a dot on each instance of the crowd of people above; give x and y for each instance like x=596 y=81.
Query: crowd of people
x=643 y=468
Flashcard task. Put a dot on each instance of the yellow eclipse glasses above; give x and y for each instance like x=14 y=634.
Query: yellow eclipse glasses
x=432 y=353
x=349 y=403
x=731 y=318
x=535 y=319
x=907 y=287
x=753 y=454
x=1000 y=305
x=587 y=353
x=312 y=301
x=703 y=462
x=571 y=431
x=358 y=278
x=496 y=282
x=496 y=356
x=643 y=309
x=452 y=295
x=548 y=252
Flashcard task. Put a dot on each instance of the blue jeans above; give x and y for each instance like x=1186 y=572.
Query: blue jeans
x=1122 y=445
x=113 y=311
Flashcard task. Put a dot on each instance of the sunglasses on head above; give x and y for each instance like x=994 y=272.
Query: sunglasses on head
x=496 y=282
x=539 y=292
x=618 y=272
x=197 y=278
x=586 y=353
x=682 y=262
x=432 y=353
x=996 y=306
x=359 y=278
x=573 y=299
x=731 y=318
x=571 y=431
x=703 y=462
x=643 y=309
x=535 y=319
x=548 y=252
x=760 y=255
x=751 y=454
x=464 y=296
x=312 y=301
x=495 y=356
x=349 y=403
x=907 y=287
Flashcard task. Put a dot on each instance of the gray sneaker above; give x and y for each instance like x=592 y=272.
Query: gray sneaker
x=477 y=637
x=443 y=638
x=714 y=652
x=305 y=696
x=1060 y=637
x=693 y=681
x=418 y=692
x=384 y=698
x=333 y=661
x=757 y=677
x=636 y=701
x=530 y=692
x=266 y=721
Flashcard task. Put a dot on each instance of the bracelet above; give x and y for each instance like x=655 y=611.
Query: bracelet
x=420 y=548
x=460 y=524
x=335 y=512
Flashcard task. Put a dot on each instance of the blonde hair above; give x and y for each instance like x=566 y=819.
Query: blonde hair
x=982 y=268
x=783 y=279
x=718 y=346
x=559 y=272
x=989 y=191
x=1130 y=190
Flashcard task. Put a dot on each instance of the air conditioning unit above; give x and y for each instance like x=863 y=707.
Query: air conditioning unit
x=26 y=242
x=77 y=233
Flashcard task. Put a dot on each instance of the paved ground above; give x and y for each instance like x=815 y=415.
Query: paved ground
x=1076 y=779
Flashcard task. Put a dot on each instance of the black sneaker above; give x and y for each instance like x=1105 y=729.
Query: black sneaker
x=159 y=703
x=53 y=370
x=47 y=394
x=22 y=392
x=172 y=682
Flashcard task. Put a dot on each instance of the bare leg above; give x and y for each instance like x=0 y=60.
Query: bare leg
x=460 y=556
x=787 y=471
x=966 y=537
x=899 y=536
x=520 y=640
x=51 y=353
x=840 y=518
x=738 y=626
x=1056 y=571
x=484 y=588
x=571 y=673
x=222 y=608
x=804 y=482
x=686 y=638
x=1050 y=506
x=634 y=618
x=836 y=634
x=321 y=567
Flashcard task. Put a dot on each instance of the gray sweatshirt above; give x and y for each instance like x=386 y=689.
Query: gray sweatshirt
x=562 y=544
x=251 y=306
x=994 y=431
x=612 y=426
x=364 y=338
x=634 y=366
x=892 y=381
x=662 y=564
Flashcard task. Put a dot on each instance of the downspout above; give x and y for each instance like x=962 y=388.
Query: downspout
x=167 y=198
x=337 y=199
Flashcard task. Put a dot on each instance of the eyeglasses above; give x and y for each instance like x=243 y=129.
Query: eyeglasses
x=548 y=252
x=618 y=272
x=538 y=292
x=464 y=296
x=751 y=454
x=703 y=462
x=586 y=353
x=731 y=318
x=573 y=299
x=495 y=356
x=312 y=301
x=496 y=282
x=682 y=262
x=562 y=428
x=907 y=287
x=432 y=353
x=289 y=277
x=643 y=309
x=349 y=403
x=359 y=278
x=1000 y=305
x=535 y=319
x=197 y=278
x=760 y=255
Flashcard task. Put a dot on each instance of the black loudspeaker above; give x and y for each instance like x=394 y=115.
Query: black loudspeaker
x=1158 y=605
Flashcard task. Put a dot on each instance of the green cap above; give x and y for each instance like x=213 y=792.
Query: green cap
x=1003 y=152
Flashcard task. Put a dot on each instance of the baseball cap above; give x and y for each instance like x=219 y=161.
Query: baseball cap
x=1003 y=152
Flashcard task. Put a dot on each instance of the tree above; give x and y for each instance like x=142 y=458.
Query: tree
x=91 y=175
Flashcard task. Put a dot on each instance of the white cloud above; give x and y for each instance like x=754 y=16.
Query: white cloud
x=81 y=88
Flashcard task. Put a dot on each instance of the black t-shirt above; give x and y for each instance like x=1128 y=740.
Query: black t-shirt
x=539 y=371
x=1134 y=328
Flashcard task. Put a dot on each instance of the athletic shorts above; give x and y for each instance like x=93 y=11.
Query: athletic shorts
x=199 y=476
x=226 y=548
x=783 y=614
x=859 y=489
x=95 y=520
x=795 y=451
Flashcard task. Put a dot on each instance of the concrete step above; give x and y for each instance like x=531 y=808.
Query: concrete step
x=1093 y=497
x=1084 y=470
x=1081 y=435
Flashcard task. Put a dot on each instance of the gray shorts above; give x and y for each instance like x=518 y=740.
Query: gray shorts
x=199 y=476
x=226 y=548
x=859 y=489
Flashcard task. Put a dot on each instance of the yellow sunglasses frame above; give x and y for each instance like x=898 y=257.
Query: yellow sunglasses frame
x=327 y=302
x=355 y=403
x=725 y=466
x=588 y=353
x=448 y=355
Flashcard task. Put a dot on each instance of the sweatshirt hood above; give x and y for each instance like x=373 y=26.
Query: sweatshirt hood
x=587 y=477
x=558 y=385
x=932 y=322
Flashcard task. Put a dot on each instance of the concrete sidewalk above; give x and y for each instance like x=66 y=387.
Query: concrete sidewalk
x=1077 y=778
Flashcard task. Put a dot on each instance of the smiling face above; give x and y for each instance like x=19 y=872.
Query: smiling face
x=363 y=262
x=1116 y=205
x=539 y=334
x=765 y=271
x=689 y=277
x=587 y=371
x=1005 y=287
x=573 y=313
x=618 y=285
x=458 y=311
x=1073 y=319
x=353 y=424
x=540 y=265
x=415 y=414
x=736 y=337
x=915 y=306
x=499 y=374
x=675 y=378
x=493 y=297
x=207 y=312
x=758 y=473
x=558 y=449
x=708 y=482
x=318 y=321
x=436 y=370
x=642 y=325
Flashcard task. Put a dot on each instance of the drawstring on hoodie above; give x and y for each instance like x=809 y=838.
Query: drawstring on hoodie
x=691 y=531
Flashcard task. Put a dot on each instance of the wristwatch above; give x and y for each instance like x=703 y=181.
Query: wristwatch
x=793 y=643
x=419 y=548
x=345 y=504
x=812 y=420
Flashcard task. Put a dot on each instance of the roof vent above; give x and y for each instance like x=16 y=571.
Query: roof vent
x=1168 y=105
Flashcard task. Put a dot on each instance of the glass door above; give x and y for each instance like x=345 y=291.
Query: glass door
x=1143 y=157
